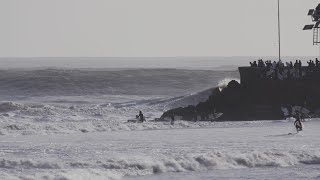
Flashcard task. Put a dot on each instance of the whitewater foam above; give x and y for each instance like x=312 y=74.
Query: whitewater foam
x=72 y=114
x=144 y=165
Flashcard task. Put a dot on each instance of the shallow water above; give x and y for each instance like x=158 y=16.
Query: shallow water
x=242 y=150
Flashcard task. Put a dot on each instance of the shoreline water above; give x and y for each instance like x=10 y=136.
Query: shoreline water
x=258 y=147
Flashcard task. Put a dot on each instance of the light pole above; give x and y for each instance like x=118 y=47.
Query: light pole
x=279 y=40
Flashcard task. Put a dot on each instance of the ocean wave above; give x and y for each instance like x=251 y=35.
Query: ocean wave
x=146 y=165
x=27 y=164
x=65 y=114
x=51 y=82
x=215 y=160
x=96 y=120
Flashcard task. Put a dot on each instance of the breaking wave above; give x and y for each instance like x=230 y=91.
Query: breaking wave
x=115 y=168
x=28 y=119
x=215 y=160
x=58 y=114
x=224 y=83
x=52 y=82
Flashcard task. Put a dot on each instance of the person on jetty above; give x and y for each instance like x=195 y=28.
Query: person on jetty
x=254 y=64
x=278 y=70
x=261 y=63
x=268 y=64
x=298 y=123
x=141 y=117
x=311 y=64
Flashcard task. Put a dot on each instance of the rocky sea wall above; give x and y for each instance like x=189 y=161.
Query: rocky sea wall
x=255 y=98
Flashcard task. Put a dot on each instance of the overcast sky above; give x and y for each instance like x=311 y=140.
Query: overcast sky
x=165 y=28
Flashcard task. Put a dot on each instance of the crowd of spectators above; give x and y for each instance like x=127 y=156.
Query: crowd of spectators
x=288 y=70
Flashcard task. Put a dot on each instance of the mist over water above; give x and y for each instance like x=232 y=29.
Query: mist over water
x=191 y=63
x=195 y=63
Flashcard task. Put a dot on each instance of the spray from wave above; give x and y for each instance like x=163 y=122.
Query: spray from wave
x=224 y=83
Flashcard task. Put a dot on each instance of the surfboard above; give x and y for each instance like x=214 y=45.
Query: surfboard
x=136 y=120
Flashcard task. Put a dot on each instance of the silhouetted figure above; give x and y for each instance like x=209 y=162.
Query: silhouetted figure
x=141 y=116
x=268 y=64
x=298 y=123
x=311 y=64
x=317 y=62
x=296 y=65
x=274 y=65
x=261 y=63
x=280 y=64
x=254 y=64
x=172 y=119
x=300 y=64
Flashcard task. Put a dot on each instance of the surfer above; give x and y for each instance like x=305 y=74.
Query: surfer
x=141 y=116
x=172 y=119
x=298 y=123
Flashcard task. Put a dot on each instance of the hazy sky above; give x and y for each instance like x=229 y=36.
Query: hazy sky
x=110 y=28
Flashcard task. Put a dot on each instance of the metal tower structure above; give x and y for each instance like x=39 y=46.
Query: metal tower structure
x=315 y=17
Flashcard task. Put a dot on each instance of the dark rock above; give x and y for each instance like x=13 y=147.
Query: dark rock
x=254 y=99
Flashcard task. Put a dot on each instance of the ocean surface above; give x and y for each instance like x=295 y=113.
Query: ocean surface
x=66 y=118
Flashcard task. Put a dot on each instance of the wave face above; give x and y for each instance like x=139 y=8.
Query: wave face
x=54 y=101
x=53 y=82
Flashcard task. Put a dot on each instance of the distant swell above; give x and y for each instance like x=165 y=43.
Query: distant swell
x=49 y=82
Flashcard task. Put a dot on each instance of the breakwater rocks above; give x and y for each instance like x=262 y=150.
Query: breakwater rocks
x=254 y=99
